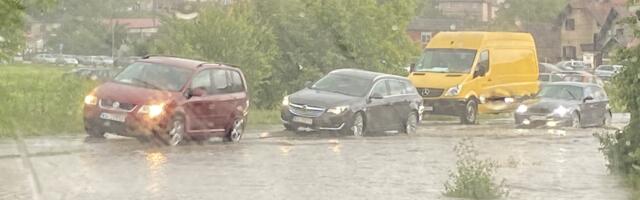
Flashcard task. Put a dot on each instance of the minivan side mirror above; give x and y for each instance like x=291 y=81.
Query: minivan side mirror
x=196 y=92
x=376 y=96
x=588 y=98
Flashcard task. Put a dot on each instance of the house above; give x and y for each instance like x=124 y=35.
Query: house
x=581 y=22
x=612 y=34
x=477 y=10
x=421 y=30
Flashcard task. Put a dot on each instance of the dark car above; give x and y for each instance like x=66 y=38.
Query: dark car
x=171 y=99
x=354 y=102
x=566 y=104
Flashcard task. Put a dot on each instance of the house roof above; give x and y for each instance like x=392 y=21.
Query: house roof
x=598 y=9
x=428 y=24
x=135 y=23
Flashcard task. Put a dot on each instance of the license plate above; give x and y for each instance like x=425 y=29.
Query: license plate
x=113 y=117
x=538 y=118
x=303 y=120
x=428 y=108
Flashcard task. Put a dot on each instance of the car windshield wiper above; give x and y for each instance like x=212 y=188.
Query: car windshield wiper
x=147 y=83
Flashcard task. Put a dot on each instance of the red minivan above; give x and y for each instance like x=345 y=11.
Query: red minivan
x=172 y=99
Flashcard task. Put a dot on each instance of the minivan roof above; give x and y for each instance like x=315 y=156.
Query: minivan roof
x=365 y=74
x=477 y=40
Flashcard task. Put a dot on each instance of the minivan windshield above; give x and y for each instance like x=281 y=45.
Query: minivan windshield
x=343 y=84
x=154 y=76
x=563 y=92
x=446 y=61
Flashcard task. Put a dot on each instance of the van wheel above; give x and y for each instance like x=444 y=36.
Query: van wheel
x=236 y=132
x=470 y=113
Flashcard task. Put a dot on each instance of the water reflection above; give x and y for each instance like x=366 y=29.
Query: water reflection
x=157 y=179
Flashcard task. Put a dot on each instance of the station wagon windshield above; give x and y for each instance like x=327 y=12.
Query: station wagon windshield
x=343 y=84
x=154 y=76
x=446 y=61
x=563 y=92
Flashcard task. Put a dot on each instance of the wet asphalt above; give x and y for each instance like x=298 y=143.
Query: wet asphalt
x=271 y=163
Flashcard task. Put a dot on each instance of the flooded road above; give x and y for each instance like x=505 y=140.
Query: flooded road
x=274 y=164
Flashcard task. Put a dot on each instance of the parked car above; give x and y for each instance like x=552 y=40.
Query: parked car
x=70 y=60
x=45 y=59
x=566 y=104
x=549 y=77
x=549 y=68
x=172 y=99
x=354 y=102
x=606 y=72
x=107 y=60
x=580 y=77
x=95 y=74
x=573 y=65
x=464 y=74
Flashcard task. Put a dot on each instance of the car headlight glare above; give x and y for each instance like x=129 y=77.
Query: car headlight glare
x=454 y=91
x=152 y=110
x=561 y=111
x=285 y=101
x=338 y=110
x=91 y=100
x=522 y=109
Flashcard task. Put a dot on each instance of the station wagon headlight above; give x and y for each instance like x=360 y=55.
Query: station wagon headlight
x=152 y=110
x=454 y=91
x=561 y=111
x=522 y=109
x=91 y=100
x=338 y=110
x=285 y=101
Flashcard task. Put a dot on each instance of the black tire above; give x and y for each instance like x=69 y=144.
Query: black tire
x=95 y=133
x=290 y=127
x=576 y=121
x=411 y=124
x=470 y=114
x=356 y=127
x=236 y=131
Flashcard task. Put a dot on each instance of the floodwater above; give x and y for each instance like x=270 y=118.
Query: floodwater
x=274 y=164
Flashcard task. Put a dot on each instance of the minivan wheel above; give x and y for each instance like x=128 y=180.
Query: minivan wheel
x=470 y=114
x=236 y=132
x=177 y=132
x=411 y=126
x=575 y=120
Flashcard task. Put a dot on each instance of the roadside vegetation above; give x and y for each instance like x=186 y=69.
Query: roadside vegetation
x=622 y=148
x=473 y=178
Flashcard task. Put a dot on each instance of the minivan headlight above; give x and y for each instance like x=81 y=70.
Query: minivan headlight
x=454 y=91
x=285 y=101
x=338 y=110
x=561 y=111
x=152 y=110
x=91 y=100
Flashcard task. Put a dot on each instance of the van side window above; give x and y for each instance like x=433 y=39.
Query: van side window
x=484 y=61
x=237 y=85
x=202 y=80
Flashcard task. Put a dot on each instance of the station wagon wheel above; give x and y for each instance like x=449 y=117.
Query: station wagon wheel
x=411 y=126
x=177 y=132
x=357 y=128
x=575 y=120
x=236 y=132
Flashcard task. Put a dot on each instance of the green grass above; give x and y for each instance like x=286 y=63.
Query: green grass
x=261 y=117
x=37 y=100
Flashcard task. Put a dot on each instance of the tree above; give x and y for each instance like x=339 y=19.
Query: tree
x=526 y=11
x=12 y=31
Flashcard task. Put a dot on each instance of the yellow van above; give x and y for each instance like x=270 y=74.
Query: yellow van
x=467 y=73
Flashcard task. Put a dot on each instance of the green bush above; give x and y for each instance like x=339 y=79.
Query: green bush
x=38 y=100
x=473 y=178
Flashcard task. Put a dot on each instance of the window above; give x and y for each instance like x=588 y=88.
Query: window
x=409 y=88
x=221 y=84
x=484 y=61
x=425 y=37
x=202 y=80
x=569 y=52
x=397 y=87
x=237 y=85
x=570 y=24
x=380 y=88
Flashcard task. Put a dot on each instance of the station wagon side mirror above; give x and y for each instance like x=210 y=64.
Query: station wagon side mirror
x=308 y=84
x=376 y=96
x=588 y=98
